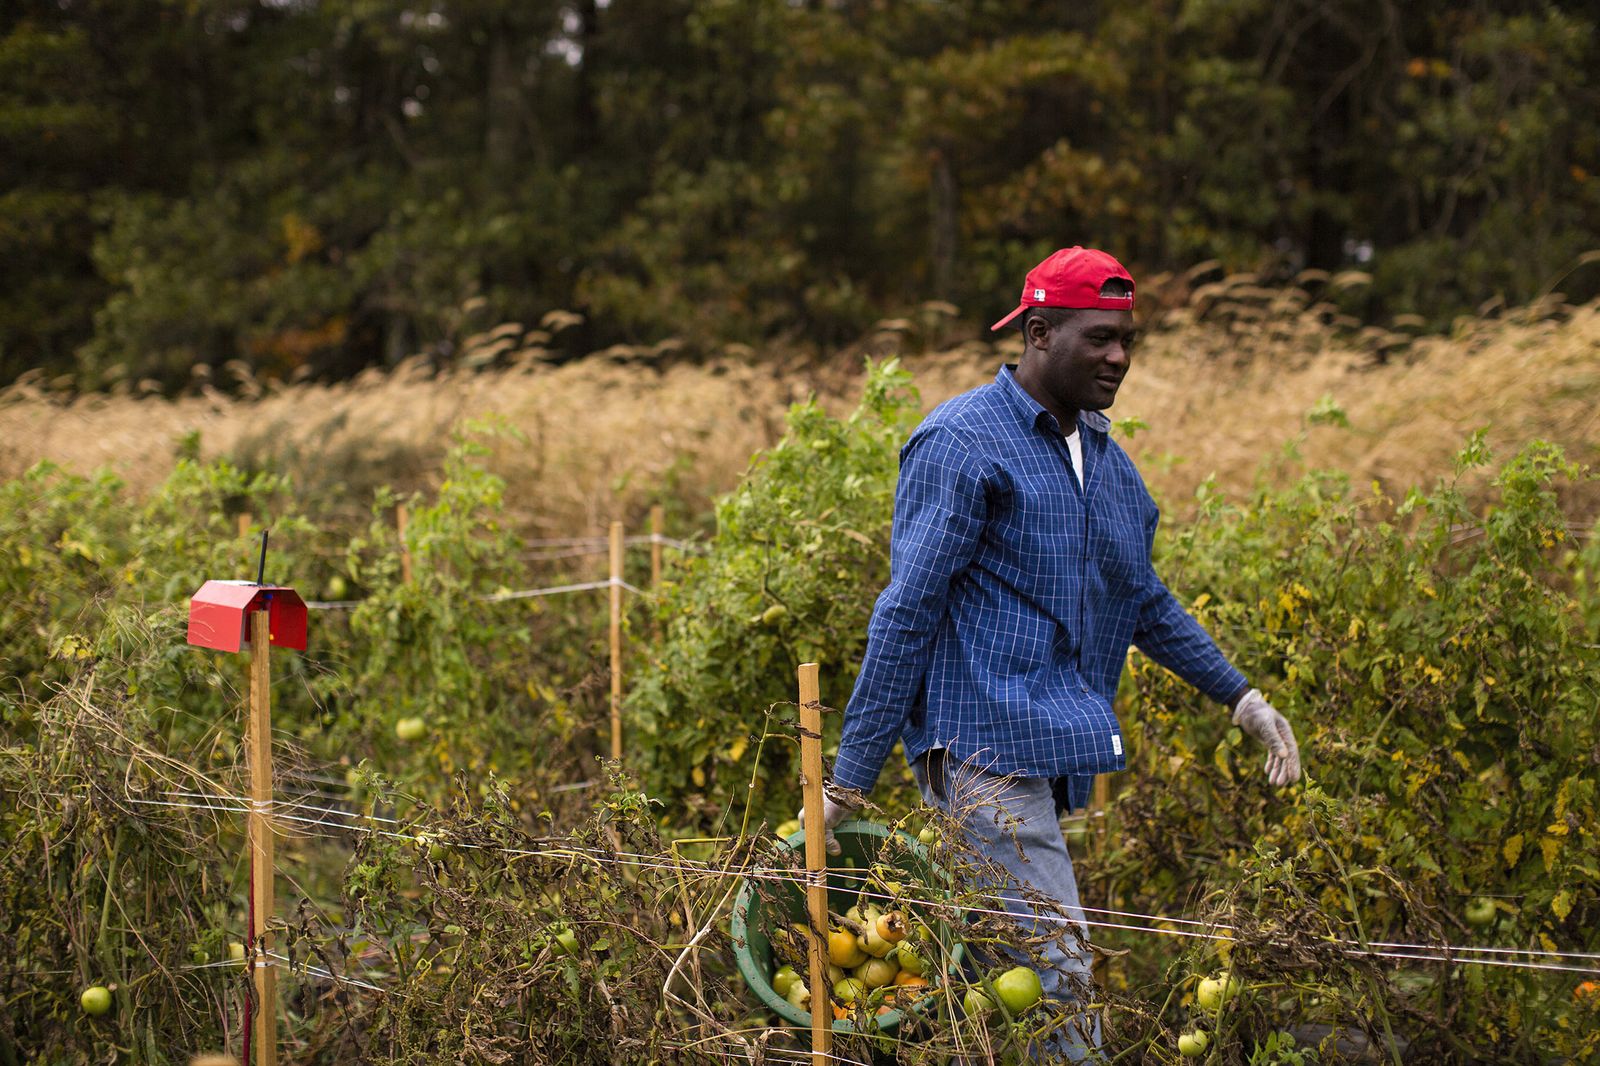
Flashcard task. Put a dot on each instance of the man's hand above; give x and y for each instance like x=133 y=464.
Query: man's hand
x=1260 y=719
x=836 y=807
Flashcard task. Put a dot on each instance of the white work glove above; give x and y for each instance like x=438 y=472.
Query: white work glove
x=836 y=807
x=1260 y=719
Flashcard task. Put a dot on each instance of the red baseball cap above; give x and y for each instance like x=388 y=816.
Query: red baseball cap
x=1073 y=277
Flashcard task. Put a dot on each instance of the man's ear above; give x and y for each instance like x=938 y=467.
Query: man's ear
x=1035 y=323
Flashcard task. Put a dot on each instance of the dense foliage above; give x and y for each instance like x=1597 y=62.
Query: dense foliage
x=1436 y=655
x=800 y=552
x=483 y=895
x=327 y=186
x=123 y=754
x=1441 y=675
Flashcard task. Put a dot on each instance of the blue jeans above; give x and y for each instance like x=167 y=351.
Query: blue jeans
x=997 y=815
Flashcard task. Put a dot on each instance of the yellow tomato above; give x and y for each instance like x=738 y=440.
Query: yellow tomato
x=844 y=950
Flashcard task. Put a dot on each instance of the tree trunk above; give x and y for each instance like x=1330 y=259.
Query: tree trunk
x=944 y=202
x=502 y=104
x=585 y=116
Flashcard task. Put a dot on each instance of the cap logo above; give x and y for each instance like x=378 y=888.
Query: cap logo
x=1038 y=294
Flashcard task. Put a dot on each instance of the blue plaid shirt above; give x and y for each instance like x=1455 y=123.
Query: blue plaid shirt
x=1013 y=595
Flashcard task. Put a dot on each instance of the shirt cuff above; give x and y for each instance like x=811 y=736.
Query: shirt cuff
x=855 y=773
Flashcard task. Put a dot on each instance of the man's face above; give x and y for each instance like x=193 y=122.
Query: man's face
x=1082 y=361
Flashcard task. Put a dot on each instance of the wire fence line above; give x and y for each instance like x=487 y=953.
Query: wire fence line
x=732 y=1045
x=1094 y=917
x=636 y=538
x=500 y=597
x=547 y=549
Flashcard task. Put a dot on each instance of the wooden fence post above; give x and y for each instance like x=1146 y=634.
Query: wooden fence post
x=616 y=641
x=657 y=520
x=816 y=863
x=402 y=522
x=1100 y=800
x=261 y=841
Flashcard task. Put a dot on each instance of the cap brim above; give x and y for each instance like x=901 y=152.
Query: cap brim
x=1006 y=321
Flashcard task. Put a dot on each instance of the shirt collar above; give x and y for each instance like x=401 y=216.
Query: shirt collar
x=1031 y=412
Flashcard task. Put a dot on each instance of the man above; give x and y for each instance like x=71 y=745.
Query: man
x=1019 y=574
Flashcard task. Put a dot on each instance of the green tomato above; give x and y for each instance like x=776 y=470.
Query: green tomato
x=929 y=835
x=784 y=979
x=875 y=973
x=1192 y=1045
x=1214 y=991
x=976 y=1003
x=849 y=990
x=799 y=996
x=96 y=999
x=1019 y=989
x=336 y=590
x=235 y=951
x=409 y=729
x=911 y=962
x=1480 y=911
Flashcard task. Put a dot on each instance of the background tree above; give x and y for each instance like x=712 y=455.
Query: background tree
x=318 y=187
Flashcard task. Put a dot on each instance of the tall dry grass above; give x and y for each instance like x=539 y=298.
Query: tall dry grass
x=1222 y=382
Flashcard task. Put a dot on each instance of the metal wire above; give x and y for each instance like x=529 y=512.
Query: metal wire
x=1446 y=953
x=499 y=597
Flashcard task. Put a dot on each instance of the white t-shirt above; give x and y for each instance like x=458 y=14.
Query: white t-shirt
x=1075 y=447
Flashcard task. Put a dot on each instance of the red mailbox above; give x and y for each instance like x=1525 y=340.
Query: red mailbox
x=219 y=615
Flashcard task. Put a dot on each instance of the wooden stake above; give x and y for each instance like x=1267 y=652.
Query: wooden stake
x=1099 y=843
x=402 y=520
x=244 y=526
x=816 y=863
x=657 y=516
x=657 y=521
x=1097 y=814
x=265 y=1039
x=616 y=641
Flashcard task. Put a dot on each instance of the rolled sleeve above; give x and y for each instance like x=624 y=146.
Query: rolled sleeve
x=939 y=512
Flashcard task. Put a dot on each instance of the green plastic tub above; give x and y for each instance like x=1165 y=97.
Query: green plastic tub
x=847 y=872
